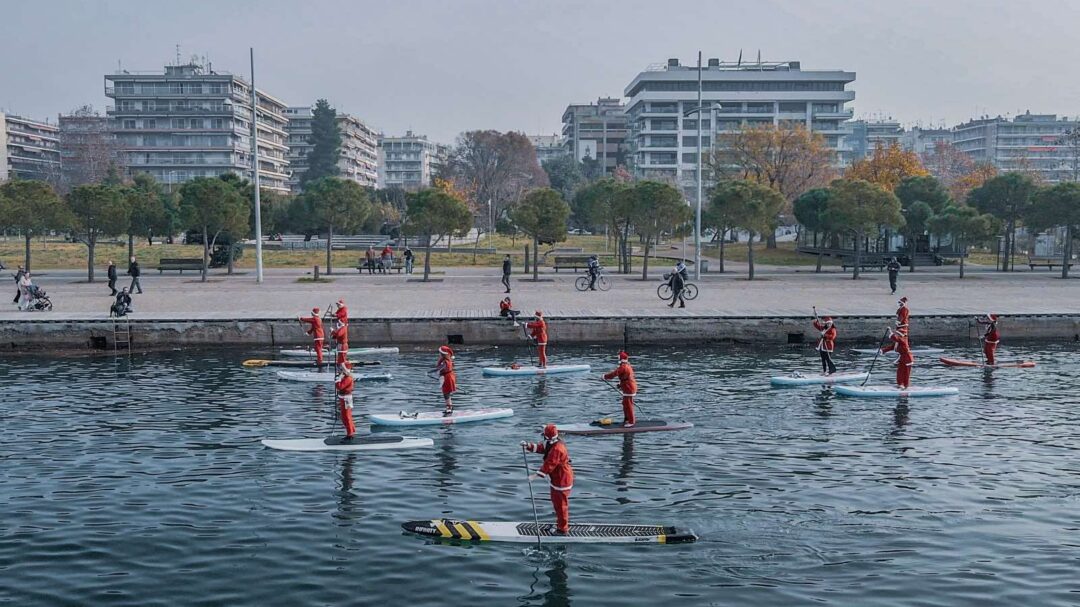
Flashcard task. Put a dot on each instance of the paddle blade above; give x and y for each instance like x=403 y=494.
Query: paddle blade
x=255 y=363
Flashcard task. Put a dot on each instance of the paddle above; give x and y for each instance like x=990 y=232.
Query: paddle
x=621 y=394
x=532 y=496
x=876 y=355
x=531 y=342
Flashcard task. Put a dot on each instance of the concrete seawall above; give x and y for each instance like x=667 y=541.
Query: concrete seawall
x=54 y=335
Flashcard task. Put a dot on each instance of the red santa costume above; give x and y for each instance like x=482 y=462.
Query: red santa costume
x=628 y=387
x=556 y=468
x=538 y=329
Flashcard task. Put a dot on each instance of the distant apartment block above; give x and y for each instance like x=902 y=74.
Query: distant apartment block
x=409 y=162
x=359 y=156
x=598 y=131
x=867 y=135
x=547 y=146
x=1029 y=142
x=88 y=148
x=30 y=149
x=737 y=95
x=191 y=121
x=924 y=141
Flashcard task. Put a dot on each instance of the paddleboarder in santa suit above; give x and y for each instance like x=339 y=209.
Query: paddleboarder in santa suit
x=340 y=335
x=902 y=315
x=556 y=468
x=315 y=330
x=341 y=313
x=445 y=369
x=906 y=360
x=990 y=337
x=826 y=343
x=628 y=387
x=538 y=329
x=344 y=386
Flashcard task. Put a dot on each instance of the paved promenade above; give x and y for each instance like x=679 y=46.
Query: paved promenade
x=475 y=293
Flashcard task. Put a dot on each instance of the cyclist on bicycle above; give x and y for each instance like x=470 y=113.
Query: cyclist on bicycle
x=594 y=271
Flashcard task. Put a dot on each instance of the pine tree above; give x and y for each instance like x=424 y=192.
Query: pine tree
x=326 y=139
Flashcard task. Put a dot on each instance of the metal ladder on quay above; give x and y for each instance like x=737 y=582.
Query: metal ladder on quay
x=121 y=335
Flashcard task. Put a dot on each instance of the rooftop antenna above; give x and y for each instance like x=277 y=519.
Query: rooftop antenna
x=759 y=66
x=739 y=64
x=177 y=55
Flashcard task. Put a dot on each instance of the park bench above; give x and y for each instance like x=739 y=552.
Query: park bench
x=397 y=263
x=180 y=264
x=1048 y=262
x=871 y=262
x=571 y=262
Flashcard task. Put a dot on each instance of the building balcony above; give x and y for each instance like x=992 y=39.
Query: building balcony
x=112 y=110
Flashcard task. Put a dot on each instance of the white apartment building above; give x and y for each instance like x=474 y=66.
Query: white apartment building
x=192 y=121
x=598 y=131
x=359 y=156
x=29 y=149
x=924 y=141
x=410 y=162
x=867 y=135
x=737 y=94
x=1029 y=142
x=547 y=146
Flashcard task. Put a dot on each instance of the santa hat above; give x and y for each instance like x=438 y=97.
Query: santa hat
x=551 y=432
x=903 y=300
x=991 y=317
x=341 y=302
x=624 y=356
x=446 y=351
x=538 y=313
x=827 y=319
x=314 y=310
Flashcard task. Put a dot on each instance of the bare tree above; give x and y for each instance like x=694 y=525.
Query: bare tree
x=88 y=148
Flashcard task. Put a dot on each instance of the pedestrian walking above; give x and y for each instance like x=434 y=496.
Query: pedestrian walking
x=134 y=272
x=112 y=278
x=18 y=281
x=894 y=271
x=678 y=286
x=506 y=273
x=408 y=255
x=24 y=291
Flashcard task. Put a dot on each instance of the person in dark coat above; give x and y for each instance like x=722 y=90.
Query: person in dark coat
x=112 y=278
x=134 y=272
x=894 y=271
x=678 y=285
x=18 y=277
x=506 y=273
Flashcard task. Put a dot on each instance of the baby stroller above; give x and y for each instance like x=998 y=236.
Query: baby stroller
x=39 y=300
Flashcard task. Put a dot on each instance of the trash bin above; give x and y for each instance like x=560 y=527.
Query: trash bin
x=704 y=266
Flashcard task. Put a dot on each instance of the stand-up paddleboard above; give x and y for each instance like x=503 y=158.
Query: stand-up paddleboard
x=1013 y=364
x=309 y=353
x=612 y=426
x=369 y=442
x=915 y=351
x=800 y=379
x=329 y=377
x=579 y=533
x=893 y=391
x=327 y=362
x=549 y=370
x=436 y=418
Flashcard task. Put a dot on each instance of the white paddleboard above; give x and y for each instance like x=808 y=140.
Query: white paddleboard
x=527 y=532
x=436 y=418
x=309 y=353
x=328 y=376
x=549 y=370
x=800 y=379
x=915 y=351
x=368 y=442
x=893 y=391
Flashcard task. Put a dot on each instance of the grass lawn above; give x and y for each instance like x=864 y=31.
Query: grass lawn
x=783 y=255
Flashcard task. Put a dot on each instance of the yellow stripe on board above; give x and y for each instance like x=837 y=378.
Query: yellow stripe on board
x=661 y=538
x=442 y=529
x=479 y=531
x=465 y=535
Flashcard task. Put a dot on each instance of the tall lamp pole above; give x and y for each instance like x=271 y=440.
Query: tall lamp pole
x=697 y=209
x=255 y=173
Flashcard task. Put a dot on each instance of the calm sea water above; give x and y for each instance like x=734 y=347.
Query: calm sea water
x=141 y=481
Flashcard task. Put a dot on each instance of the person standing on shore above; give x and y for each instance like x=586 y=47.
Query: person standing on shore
x=134 y=272
x=445 y=369
x=894 y=270
x=557 y=469
x=506 y=273
x=344 y=386
x=408 y=255
x=18 y=284
x=627 y=386
x=826 y=343
x=315 y=330
x=24 y=291
x=538 y=331
x=112 y=278
x=990 y=337
x=906 y=360
x=903 y=315
x=678 y=286
x=369 y=259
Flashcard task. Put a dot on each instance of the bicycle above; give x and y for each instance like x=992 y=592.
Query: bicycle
x=664 y=292
x=602 y=283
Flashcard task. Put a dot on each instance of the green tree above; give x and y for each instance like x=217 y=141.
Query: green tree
x=964 y=225
x=96 y=211
x=273 y=206
x=32 y=208
x=148 y=213
x=1006 y=197
x=1057 y=205
x=541 y=214
x=565 y=176
x=436 y=212
x=659 y=208
x=861 y=207
x=212 y=207
x=811 y=211
x=332 y=203
x=920 y=198
x=598 y=203
x=749 y=206
x=326 y=144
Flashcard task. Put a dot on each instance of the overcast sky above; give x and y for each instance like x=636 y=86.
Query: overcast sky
x=443 y=66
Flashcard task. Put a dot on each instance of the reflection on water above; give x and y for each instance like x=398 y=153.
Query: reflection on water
x=130 y=481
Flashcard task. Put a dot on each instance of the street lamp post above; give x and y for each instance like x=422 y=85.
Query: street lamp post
x=697 y=210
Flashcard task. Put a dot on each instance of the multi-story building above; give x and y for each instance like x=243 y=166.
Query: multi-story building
x=598 y=131
x=359 y=155
x=866 y=135
x=191 y=121
x=1029 y=142
x=88 y=148
x=547 y=146
x=29 y=149
x=410 y=162
x=736 y=95
x=924 y=141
